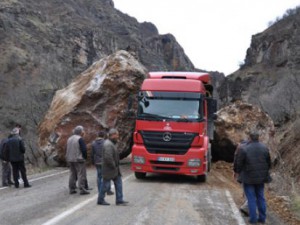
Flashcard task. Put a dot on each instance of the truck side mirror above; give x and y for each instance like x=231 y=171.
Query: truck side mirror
x=130 y=111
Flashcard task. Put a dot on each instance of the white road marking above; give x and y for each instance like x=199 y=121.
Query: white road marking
x=234 y=209
x=70 y=211
x=63 y=215
x=51 y=175
x=3 y=188
x=40 y=178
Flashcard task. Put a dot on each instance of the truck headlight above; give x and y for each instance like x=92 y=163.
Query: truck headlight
x=138 y=159
x=194 y=162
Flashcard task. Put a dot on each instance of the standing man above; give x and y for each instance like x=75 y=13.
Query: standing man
x=76 y=155
x=97 y=149
x=254 y=163
x=111 y=169
x=16 y=155
x=244 y=207
x=6 y=169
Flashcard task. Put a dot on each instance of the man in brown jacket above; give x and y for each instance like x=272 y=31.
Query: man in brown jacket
x=111 y=169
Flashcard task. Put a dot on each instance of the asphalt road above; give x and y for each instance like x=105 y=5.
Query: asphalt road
x=167 y=200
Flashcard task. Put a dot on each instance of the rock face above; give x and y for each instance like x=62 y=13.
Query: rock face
x=270 y=80
x=98 y=100
x=233 y=125
x=45 y=44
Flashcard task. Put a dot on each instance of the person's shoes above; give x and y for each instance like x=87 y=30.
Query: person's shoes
x=4 y=185
x=27 y=186
x=89 y=188
x=84 y=192
x=123 y=203
x=72 y=192
x=109 y=192
x=16 y=185
x=103 y=203
x=261 y=221
x=10 y=183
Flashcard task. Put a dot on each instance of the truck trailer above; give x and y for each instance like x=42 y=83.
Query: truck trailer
x=174 y=125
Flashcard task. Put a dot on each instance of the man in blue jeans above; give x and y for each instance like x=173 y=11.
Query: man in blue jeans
x=254 y=163
x=111 y=169
x=97 y=149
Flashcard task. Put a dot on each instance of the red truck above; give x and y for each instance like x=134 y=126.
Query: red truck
x=174 y=125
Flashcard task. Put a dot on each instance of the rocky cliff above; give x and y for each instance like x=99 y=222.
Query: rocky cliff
x=270 y=79
x=45 y=44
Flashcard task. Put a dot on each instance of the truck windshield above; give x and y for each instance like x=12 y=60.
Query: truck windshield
x=180 y=106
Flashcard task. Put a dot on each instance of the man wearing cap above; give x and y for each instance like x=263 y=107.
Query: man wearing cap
x=254 y=162
x=76 y=155
x=111 y=169
x=16 y=156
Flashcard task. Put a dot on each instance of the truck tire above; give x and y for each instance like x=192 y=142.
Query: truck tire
x=209 y=159
x=201 y=178
x=139 y=175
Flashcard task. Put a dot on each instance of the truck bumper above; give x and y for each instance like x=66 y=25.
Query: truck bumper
x=168 y=164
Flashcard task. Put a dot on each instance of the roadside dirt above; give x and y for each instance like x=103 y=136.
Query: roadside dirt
x=221 y=175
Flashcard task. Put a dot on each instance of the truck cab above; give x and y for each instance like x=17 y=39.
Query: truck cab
x=174 y=125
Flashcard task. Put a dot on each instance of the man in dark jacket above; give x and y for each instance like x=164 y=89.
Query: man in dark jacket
x=76 y=155
x=6 y=169
x=97 y=149
x=16 y=157
x=111 y=169
x=254 y=163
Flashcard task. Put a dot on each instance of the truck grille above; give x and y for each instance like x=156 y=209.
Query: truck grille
x=178 y=144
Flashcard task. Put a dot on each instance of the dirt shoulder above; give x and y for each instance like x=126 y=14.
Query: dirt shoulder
x=278 y=207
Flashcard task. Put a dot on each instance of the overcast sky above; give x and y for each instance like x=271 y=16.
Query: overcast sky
x=214 y=34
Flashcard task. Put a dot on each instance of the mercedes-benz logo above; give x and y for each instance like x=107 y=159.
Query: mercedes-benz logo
x=167 y=136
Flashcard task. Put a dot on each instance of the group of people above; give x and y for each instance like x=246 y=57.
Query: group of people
x=252 y=165
x=105 y=157
x=12 y=152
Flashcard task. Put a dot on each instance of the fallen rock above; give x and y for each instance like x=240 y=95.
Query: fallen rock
x=98 y=100
x=233 y=125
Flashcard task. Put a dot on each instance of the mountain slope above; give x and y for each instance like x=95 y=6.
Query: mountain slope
x=45 y=44
x=270 y=78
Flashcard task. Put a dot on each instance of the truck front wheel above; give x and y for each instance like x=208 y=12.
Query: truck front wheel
x=140 y=175
x=202 y=178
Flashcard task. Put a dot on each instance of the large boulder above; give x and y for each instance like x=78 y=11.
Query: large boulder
x=233 y=124
x=97 y=99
